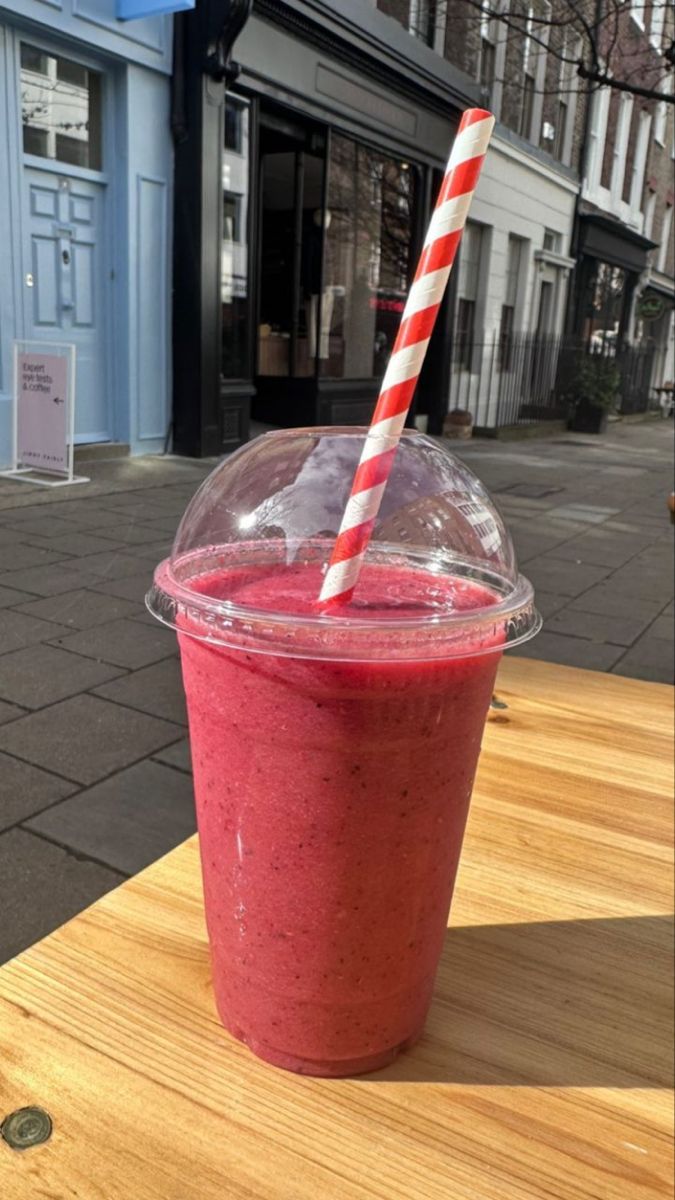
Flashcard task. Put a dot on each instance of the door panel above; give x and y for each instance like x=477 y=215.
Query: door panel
x=65 y=247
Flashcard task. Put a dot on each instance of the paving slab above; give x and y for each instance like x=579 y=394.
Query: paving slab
x=566 y=578
x=587 y=514
x=18 y=555
x=132 y=587
x=81 y=609
x=130 y=535
x=42 y=526
x=112 y=564
x=78 y=543
x=600 y=548
x=26 y=790
x=9 y=712
x=607 y=598
x=598 y=627
x=41 y=675
x=49 y=581
x=11 y=596
x=18 y=630
x=663 y=628
x=127 y=821
x=31 y=870
x=177 y=755
x=124 y=643
x=571 y=651
x=649 y=658
x=86 y=738
x=157 y=690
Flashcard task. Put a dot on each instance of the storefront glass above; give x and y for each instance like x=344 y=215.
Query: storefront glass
x=234 y=257
x=607 y=295
x=367 y=259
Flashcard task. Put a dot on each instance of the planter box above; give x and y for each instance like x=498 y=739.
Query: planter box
x=588 y=418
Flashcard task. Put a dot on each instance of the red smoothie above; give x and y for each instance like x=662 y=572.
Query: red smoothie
x=332 y=798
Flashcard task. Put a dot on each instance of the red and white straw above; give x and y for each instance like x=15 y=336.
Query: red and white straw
x=414 y=334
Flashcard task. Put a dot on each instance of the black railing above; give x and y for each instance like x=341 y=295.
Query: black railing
x=528 y=377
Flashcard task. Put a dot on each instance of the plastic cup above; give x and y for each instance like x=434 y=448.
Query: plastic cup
x=334 y=753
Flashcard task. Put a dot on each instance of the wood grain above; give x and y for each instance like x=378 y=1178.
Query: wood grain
x=543 y=1071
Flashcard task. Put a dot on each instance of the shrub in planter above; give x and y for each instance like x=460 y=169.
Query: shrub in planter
x=593 y=392
x=458 y=424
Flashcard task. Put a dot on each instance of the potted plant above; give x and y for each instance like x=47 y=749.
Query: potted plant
x=458 y=424
x=593 y=393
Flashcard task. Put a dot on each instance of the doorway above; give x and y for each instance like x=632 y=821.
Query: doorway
x=293 y=308
x=65 y=273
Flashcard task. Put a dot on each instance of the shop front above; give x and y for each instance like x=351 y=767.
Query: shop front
x=85 y=198
x=305 y=188
x=612 y=257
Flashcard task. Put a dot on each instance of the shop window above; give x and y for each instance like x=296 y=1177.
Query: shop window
x=234 y=258
x=367 y=258
x=61 y=109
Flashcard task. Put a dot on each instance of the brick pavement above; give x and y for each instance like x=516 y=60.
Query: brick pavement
x=94 y=759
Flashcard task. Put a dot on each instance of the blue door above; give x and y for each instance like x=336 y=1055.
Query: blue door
x=66 y=276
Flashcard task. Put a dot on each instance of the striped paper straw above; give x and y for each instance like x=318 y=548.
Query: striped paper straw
x=414 y=334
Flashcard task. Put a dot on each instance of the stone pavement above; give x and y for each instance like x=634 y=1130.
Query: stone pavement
x=94 y=760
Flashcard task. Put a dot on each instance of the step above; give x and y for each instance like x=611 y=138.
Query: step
x=98 y=451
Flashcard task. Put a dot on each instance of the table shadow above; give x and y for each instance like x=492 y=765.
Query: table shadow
x=585 y=1003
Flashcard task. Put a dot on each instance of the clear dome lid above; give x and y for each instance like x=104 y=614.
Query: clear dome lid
x=439 y=577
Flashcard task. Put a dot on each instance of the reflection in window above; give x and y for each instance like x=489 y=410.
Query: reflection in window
x=234 y=249
x=607 y=300
x=61 y=110
x=367 y=258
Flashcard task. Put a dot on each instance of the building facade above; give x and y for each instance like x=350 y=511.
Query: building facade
x=623 y=283
x=302 y=193
x=85 y=209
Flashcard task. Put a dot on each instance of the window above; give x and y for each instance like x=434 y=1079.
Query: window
x=660 y=122
x=662 y=262
x=637 y=12
x=466 y=313
x=526 y=106
x=551 y=241
x=467 y=287
x=61 y=109
x=650 y=205
x=560 y=129
x=488 y=48
x=366 y=258
x=231 y=217
x=417 y=16
x=513 y=267
x=421 y=21
x=635 y=185
x=234 y=248
x=236 y=115
x=621 y=146
x=658 y=16
x=597 y=137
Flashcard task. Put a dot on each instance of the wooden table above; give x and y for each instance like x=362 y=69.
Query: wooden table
x=540 y=1076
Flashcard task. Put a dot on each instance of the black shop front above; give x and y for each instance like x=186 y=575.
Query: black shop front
x=305 y=175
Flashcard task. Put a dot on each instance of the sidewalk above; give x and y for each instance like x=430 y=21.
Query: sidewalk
x=94 y=762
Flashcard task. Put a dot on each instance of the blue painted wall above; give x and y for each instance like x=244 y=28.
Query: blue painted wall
x=136 y=56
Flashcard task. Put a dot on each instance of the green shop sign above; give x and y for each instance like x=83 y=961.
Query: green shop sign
x=651 y=307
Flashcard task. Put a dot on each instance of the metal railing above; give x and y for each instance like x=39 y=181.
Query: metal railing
x=526 y=377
